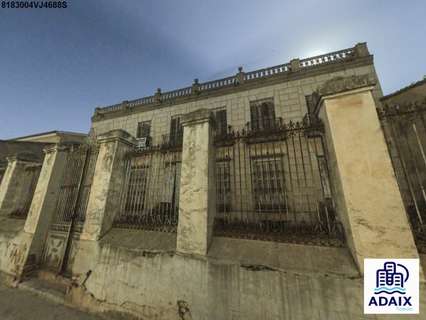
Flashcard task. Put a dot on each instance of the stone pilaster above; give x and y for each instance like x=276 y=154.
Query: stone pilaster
x=43 y=205
x=107 y=185
x=365 y=189
x=15 y=182
x=197 y=200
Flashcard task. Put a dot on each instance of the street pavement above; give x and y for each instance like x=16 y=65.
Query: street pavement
x=18 y=304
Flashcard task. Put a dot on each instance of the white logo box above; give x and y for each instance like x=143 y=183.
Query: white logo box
x=391 y=286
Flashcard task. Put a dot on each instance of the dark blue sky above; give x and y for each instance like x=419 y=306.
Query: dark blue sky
x=57 y=65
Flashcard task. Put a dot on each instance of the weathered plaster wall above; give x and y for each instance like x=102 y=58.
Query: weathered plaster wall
x=289 y=101
x=13 y=245
x=140 y=272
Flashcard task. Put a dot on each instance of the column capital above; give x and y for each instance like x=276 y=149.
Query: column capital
x=197 y=116
x=116 y=135
x=342 y=84
x=338 y=86
x=60 y=147
x=26 y=157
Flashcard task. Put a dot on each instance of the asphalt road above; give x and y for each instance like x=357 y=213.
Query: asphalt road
x=18 y=304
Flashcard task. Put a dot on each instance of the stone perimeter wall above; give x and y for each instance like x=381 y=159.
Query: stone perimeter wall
x=239 y=279
x=140 y=273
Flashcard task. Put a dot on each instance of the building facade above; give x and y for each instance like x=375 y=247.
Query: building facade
x=270 y=94
x=249 y=197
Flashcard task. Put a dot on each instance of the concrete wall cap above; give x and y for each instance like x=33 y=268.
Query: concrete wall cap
x=115 y=135
x=24 y=157
x=341 y=84
x=61 y=147
x=197 y=116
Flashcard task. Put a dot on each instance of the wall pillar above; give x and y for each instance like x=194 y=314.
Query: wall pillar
x=15 y=181
x=42 y=208
x=108 y=183
x=365 y=188
x=197 y=200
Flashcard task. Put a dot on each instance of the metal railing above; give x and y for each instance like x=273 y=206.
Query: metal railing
x=75 y=186
x=404 y=128
x=275 y=186
x=172 y=141
x=332 y=57
x=150 y=195
x=28 y=186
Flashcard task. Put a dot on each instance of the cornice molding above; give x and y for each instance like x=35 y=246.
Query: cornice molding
x=302 y=73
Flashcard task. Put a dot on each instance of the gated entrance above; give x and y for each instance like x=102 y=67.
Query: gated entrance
x=70 y=212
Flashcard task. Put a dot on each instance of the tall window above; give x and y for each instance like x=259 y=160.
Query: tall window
x=262 y=114
x=310 y=103
x=136 y=189
x=268 y=184
x=144 y=129
x=221 y=122
x=176 y=131
x=223 y=186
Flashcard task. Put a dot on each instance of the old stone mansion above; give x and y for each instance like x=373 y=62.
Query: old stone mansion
x=255 y=196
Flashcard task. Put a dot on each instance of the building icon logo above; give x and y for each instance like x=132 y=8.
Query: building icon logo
x=391 y=278
x=391 y=286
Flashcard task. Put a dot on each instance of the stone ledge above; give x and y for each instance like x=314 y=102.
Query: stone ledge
x=24 y=157
x=61 y=147
x=140 y=240
x=249 y=254
x=263 y=255
x=116 y=135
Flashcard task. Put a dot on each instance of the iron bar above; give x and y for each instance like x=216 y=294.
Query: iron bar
x=277 y=191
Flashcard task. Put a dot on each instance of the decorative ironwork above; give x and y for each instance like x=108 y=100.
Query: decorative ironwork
x=404 y=128
x=71 y=206
x=174 y=141
x=274 y=185
x=150 y=195
x=75 y=187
